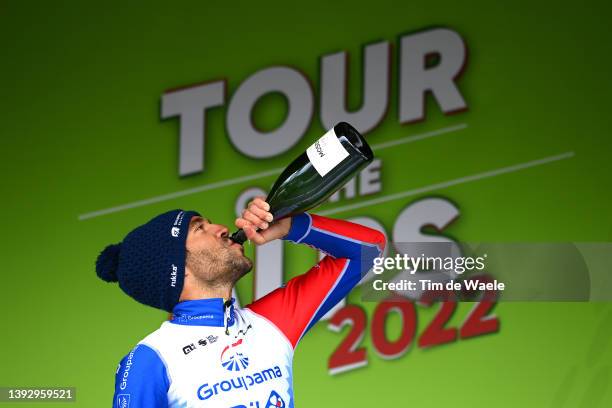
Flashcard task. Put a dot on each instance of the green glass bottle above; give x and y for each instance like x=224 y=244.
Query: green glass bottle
x=317 y=173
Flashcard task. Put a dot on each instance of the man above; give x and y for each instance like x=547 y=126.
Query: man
x=212 y=354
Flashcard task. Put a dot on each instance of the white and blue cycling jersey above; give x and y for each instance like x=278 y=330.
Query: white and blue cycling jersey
x=212 y=354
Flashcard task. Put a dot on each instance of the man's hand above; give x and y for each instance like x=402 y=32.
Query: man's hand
x=256 y=216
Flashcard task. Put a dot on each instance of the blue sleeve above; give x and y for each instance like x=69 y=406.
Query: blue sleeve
x=141 y=380
x=339 y=238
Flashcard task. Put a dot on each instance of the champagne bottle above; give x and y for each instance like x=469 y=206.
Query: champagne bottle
x=317 y=173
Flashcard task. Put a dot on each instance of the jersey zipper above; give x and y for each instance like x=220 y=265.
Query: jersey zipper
x=227 y=309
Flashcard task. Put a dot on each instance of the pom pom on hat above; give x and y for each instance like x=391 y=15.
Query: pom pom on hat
x=108 y=263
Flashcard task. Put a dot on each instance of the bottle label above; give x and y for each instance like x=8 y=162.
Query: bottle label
x=326 y=153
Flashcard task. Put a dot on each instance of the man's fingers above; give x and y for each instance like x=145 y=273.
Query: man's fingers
x=255 y=216
x=260 y=212
x=260 y=202
x=254 y=219
x=253 y=236
x=242 y=223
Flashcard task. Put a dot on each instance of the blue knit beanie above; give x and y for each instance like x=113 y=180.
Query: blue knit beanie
x=150 y=262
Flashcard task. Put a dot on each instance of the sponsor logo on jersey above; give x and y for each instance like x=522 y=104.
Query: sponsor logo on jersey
x=189 y=318
x=188 y=348
x=126 y=370
x=206 y=391
x=201 y=342
x=209 y=339
x=275 y=401
x=233 y=358
x=123 y=401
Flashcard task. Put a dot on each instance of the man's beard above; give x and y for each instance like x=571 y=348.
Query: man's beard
x=218 y=268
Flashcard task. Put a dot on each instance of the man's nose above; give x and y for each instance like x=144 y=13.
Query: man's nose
x=220 y=231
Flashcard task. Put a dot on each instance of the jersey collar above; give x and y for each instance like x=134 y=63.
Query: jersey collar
x=204 y=312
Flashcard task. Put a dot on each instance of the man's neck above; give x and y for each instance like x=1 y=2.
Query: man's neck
x=195 y=293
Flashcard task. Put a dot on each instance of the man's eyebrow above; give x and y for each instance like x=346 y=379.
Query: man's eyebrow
x=195 y=220
x=198 y=220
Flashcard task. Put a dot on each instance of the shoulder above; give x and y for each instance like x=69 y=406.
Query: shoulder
x=141 y=364
x=143 y=354
x=142 y=379
x=158 y=338
x=144 y=359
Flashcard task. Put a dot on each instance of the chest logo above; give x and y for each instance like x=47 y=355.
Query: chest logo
x=233 y=358
x=275 y=401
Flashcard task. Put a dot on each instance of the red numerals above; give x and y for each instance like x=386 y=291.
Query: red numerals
x=437 y=333
x=348 y=355
x=393 y=349
x=479 y=321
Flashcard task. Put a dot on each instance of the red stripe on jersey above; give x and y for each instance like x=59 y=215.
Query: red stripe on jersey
x=290 y=308
x=293 y=307
x=349 y=230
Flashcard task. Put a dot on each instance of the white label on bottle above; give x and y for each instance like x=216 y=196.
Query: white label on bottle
x=326 y=153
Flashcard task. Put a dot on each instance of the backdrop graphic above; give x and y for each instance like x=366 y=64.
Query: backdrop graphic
x=88 y=153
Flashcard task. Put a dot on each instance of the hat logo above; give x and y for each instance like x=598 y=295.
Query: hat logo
x=173 y=275
x=175 y=231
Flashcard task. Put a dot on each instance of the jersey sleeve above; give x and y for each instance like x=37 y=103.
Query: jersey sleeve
x=141 y=380
x=350 y=251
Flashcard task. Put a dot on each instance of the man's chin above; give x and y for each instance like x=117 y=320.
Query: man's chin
x=242 y=265
x=249 y=266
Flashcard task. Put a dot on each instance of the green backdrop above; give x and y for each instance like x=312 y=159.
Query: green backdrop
x=81 y=131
